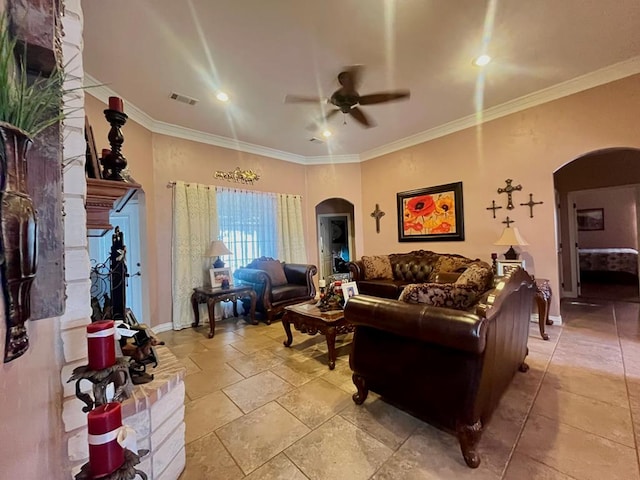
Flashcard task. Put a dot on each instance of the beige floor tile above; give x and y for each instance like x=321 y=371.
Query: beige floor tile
x=522 y=467
x=585 y=413
x=212 y=359
x=252 y=345
x=341 y=376
x=257 y=362
x=202 y=383
x=430 y=454
x=278 y=468
x=204 y=415
x=183 y=349
x=338 y=450
x=575 y=452
x=177 y=337
x=207 y=459
x=608 y=388
x=220 y=338
x=300 y=370
x=259 y=436
x=253 y=331
x=189 y=365
x=382 y=421
x=598 y=359
x=256 y=391
x=315 y=402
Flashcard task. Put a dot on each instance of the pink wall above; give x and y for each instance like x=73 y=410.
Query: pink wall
x=620 y=229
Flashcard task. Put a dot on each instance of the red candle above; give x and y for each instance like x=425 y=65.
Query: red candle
x=101 y=345
x=105 y=152
x=115 y=103
x=105 y=453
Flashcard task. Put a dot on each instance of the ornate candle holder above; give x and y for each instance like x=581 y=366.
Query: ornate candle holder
x=115 y=162
x=126 y=471
x=118 y=374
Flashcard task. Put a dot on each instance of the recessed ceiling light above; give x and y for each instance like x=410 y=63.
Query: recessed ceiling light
x=326 y=134
x=482 y=60
x=223 y=97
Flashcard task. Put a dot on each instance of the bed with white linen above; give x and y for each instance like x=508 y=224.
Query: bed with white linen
x=620 y=261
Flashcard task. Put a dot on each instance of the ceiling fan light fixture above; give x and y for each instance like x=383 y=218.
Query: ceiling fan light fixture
x=482 y=60
x=326 y=133
x=222 y=96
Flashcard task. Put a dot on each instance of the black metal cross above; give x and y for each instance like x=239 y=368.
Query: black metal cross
x=509 y=189
x=531 y=204
x=508 y=221
x=377 y=214
x=493 y=207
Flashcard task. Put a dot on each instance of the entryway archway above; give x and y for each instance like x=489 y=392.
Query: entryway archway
x=335 y=227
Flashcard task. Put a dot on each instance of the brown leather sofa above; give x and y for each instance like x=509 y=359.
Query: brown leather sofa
x=447 y=367
x=418 y=266
x=277 y=284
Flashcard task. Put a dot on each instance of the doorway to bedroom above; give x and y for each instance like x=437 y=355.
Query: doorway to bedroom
x=334 y=219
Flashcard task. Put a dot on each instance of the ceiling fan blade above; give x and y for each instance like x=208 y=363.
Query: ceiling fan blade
x=349 y=78
x=383 y=97
x=303 y=99
x=315 y=125
x=361 y=117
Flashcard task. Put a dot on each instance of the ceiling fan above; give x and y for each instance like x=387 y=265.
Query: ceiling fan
x=347 y=99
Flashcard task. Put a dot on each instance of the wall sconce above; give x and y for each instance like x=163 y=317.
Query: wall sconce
x=238 y=176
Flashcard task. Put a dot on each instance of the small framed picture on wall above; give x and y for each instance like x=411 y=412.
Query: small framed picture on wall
x=505 y=266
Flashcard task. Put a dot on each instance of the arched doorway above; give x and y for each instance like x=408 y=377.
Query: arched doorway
x=335 y=227
x=598 y=224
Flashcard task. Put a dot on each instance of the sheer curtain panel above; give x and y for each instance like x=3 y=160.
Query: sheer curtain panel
x=291 y=248
x=195 y=224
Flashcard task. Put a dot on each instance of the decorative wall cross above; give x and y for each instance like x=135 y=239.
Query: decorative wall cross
x=509 y=189
x=493 y=207
x=531 y=204
x=508 y=221
x=377 y=214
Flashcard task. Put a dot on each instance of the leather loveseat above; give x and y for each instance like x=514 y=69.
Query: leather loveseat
x=386 y=275
x=277 y=284
x=446 y=366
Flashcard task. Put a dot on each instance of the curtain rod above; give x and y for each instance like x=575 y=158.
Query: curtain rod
x=173 y=184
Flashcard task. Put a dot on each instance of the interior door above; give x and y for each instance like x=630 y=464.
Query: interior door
x=324 y=246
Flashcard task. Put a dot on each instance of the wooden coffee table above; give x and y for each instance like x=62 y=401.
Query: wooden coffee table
x=307 y=318
x=211 y=296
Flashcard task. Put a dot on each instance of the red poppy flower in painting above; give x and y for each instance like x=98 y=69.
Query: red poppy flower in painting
x=421 y=206
x=444 y=227
x=408 y=226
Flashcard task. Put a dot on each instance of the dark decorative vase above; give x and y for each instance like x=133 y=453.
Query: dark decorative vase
x=18 y=239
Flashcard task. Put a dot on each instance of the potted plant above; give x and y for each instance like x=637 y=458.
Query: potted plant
x=27 y=107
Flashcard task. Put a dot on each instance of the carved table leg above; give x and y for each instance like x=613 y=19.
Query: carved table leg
x=469 y=436
x=252 y=310
x=235 y=306
x=196 y=313
x=361 y=395
x=543 y=308
x=211 y=305
x=287 y=330
x=331 y=345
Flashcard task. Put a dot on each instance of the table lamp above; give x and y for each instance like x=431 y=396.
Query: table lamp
x=510 y=236
x=217 y=248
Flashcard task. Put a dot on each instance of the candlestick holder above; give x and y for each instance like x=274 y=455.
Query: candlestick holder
x=118 y=374
x=114 y=162
x=126 y=472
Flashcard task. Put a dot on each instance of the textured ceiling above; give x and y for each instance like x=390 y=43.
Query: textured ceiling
x=260 y=50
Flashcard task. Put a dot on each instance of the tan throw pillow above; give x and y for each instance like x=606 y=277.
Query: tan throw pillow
x=478 y=274
x=448 y=263
x=275 y=270
x=377 y=267
x=449 y=295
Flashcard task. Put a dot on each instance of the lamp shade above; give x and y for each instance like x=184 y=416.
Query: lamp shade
x=511 y=236
x=217 y=248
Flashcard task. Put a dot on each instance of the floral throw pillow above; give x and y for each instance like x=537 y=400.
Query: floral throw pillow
x=449 y=295
x=377 y=267
x=477 y=274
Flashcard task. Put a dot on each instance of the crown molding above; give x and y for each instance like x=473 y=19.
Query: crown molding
x=608 y=74
x=593 y=79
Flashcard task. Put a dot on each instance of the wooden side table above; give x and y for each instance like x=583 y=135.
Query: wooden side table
x=543 y=300
x=211 y=296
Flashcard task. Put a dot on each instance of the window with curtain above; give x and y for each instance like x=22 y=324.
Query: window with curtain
x=248 y=225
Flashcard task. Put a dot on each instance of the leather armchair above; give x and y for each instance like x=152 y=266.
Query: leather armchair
x=447 y=367
x=273 y=291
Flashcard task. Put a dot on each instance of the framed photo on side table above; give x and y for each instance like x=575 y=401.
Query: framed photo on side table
x=349 y=289
x=218 y=275
x=505 y=266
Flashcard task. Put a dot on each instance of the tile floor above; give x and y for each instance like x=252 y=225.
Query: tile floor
x=258 y=410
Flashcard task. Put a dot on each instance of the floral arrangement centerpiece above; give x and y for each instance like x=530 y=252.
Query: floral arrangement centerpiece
x=333 y=298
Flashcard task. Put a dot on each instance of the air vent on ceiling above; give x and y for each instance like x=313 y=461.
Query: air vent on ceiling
x=183 y=98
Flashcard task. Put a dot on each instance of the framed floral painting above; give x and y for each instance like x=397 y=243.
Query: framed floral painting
x=432 y=214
